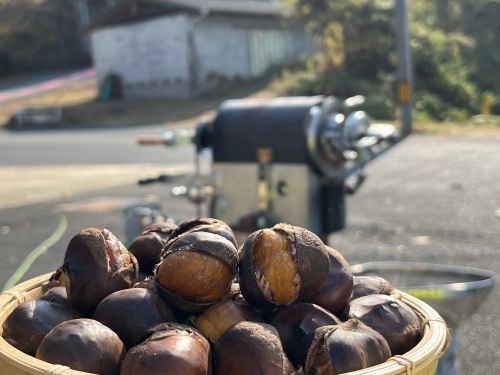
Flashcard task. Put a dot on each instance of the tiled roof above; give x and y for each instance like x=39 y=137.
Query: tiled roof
x=227 y=6
x=126 y=10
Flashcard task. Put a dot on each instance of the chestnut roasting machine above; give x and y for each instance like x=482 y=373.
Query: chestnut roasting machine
x=290 y=159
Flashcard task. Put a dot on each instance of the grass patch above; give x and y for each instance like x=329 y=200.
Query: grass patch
x=455 y=128
x=82 y=107
x=72 y=94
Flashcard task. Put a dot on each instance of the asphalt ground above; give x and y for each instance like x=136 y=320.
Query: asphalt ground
x=432 y=199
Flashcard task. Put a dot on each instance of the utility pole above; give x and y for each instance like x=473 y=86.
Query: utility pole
x=404 y=72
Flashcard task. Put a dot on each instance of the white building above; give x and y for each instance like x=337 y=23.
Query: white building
x=179 y=48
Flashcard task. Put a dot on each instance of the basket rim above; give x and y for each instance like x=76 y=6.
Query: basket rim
x=434 y=342
x=8 y=354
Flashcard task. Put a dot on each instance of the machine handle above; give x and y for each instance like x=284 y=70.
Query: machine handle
x=165 y=178
x=149 y=180
x=152 y=140
x=169 y=138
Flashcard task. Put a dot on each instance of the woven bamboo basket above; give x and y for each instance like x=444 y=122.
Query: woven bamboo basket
x=421 y=360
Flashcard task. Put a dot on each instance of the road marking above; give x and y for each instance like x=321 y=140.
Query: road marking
x=6 y=95
x=39 y=250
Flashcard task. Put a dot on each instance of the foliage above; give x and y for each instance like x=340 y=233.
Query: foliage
x=38 y=34
x=453 y=51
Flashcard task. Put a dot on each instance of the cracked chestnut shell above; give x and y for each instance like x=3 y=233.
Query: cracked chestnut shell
x=390 y=317
x=364 y=285
x=250 y=348
x=345 y=347
x=96 y=264
x=169 y=349
x=216 y=319
x=295 y=323
x=281 y=265
x=130 y=312
x=147 y=247
x=197 y=270
x=335 y=292
x=84 y=345
x=204 y=224
x=29 y=322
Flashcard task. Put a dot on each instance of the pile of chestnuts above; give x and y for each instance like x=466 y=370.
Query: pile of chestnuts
x=186 y=299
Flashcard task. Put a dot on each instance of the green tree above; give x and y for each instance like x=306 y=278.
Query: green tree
x=356 y=36
x=481 y=22
x=453 y=46
x=38 y=34
x=443 y=86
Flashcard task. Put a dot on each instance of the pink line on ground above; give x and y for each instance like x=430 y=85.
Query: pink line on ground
x=45 y=86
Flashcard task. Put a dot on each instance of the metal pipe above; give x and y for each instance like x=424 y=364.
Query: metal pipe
x=404 y=85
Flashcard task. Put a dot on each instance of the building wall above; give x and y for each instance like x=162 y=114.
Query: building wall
x=150 y=57
x=243 y=47
x=182 y=55
x=221 y=51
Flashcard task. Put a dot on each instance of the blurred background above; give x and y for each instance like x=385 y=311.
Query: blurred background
x=82 y=80
x=159 y=49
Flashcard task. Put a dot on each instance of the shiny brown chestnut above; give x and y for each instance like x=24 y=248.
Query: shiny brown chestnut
x=335 y=292
x=345 y=347
x=197 y=270
x=147 y=247
x=29 y=322
x=129 y=312
x=96 y=264
x=295 y=323
x=149 y=283
x=83 y=345
x=390 y=317
x=364 y=285
x=281 y=265
x=250 y=348
x=168 y=349
x=204 y=224
x=56 y=294
x=214 y=320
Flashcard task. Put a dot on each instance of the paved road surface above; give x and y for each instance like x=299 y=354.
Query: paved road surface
x=51 y=164
x=432 y=199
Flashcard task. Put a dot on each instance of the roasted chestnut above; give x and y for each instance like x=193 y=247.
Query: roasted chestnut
x=147 y=247
x=295 y=323
x=204 y=224
x=281 y=265
x=168 y=349
x=364 y=285
x=390 y=317
x=335 y=292
x=250 y=348
x=130 y=312
x=214 y=320
x=29 y=322
x=56 y=294
x=345 y=347
x=84 y=345
x=96 y=264
x=197 y=270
